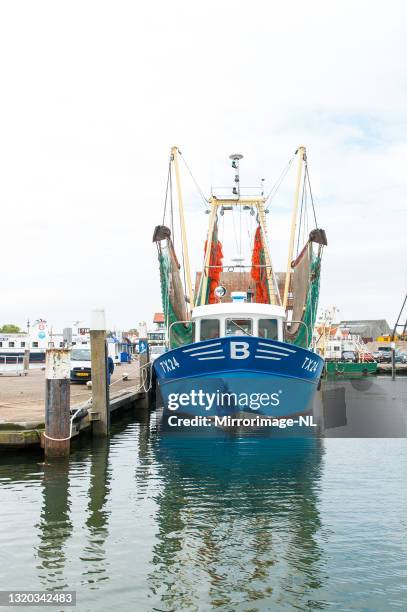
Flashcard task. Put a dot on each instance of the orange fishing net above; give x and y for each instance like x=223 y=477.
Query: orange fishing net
x=215 y=260
x=258 y=273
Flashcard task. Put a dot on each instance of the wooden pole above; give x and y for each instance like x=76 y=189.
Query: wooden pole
x=100 y=413
x=393 y=360
x=301 y=156
x=99 y=488
x=145 y=375
x=57 y=403
x=26 y=361
x=174 y=154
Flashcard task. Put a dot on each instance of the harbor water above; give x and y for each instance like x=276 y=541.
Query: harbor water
x=149 y=522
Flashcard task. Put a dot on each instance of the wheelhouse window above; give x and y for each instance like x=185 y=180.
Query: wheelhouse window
x=35 y=344
x=268 y=328
x=210 y=328
x=11 y=344
x=239 y=327
x=22 y=344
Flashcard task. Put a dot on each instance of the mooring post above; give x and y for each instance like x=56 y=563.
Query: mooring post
x=393 y=361
x=26 y=361
x=100 y=413
x=57 y=403
x=145 y=370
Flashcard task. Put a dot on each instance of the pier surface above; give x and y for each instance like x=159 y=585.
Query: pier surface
x=22 y=402
x=22 y=397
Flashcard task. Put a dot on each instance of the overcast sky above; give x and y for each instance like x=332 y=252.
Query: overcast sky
x=95 y=93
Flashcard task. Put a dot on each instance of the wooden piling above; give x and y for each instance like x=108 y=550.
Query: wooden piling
x=393 y=361
x=145 y=374
x=57 y=403
x=26 y=361
x=100 y=413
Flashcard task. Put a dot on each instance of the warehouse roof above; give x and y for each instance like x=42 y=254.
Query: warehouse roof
x=369 y=328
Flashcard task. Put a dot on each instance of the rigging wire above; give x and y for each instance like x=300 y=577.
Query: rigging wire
x=306 y=225
x=240 y=239
x=173 y=235
x=183 y=274
x=310 y=192
x=171 y=206
x=240 y=231
x=300 y=226
x=278 y=182
x=222 y=233
x=234 y=229
x=166 y=191
x=249 y=229
x=201 y=193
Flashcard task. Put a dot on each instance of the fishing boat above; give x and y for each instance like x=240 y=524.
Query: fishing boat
x=351 y=368
x=240 y=341
x=344 y=352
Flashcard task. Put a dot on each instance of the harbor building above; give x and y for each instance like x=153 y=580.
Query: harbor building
x=368 y=330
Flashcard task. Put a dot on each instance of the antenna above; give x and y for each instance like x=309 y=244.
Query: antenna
x=236 y=157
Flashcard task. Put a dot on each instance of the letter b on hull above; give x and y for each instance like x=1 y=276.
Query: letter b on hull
x=239 y=350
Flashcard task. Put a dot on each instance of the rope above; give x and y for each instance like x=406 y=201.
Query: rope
x=172 y=207
x=149 y=363
x=166 y=191
x=70 y=429
x=303 y=196
x=234 y=229
x=277 y=184
x=183 y=274
x=201 y=193
x=310 y=192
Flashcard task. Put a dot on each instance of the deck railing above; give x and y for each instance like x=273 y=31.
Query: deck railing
x=12 y=364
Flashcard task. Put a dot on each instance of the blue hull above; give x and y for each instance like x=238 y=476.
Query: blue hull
x=234 y=375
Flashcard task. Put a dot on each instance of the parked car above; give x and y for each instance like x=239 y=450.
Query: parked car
x=80 y=365
x=385 y=354
x=401 y=357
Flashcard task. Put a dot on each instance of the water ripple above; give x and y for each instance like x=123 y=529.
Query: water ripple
x=191 y=524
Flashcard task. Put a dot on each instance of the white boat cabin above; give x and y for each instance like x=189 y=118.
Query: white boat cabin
x=238 y=319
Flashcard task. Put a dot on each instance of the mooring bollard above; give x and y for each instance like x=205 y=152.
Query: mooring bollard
x=100 y=413
x=26 y=361
x=393 y=361
x=57 y=403
x=145 y=371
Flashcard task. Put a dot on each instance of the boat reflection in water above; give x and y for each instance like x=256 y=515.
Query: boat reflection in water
x=164 y=522
x=237 y=521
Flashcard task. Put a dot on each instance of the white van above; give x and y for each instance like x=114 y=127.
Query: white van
x=80 y=364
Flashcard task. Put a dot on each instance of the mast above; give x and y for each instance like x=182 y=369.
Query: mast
x=301 y=157
x=271 y=279
x=174 y=157
x=227 y=203
x=203 y=285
